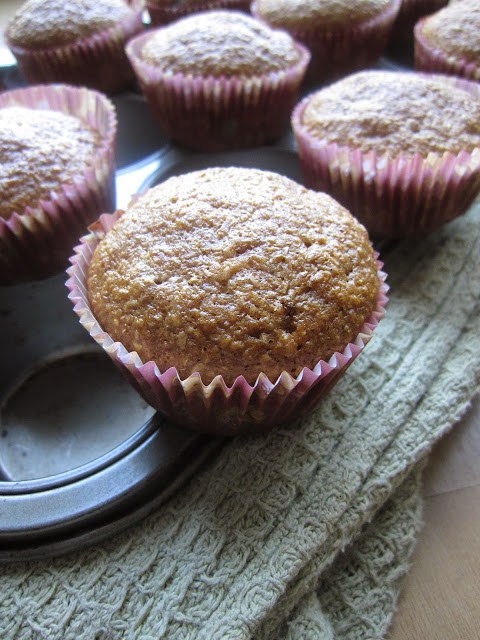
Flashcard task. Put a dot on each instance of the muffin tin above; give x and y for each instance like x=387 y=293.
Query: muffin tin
x=81 y=455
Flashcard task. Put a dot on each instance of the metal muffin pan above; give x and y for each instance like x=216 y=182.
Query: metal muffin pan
x=81 y=454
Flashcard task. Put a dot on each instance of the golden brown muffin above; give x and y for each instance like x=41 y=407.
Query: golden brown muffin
x=51 y=23
x=220 y=43
x=234 y=271
x=455 y=30
x=395 y=113
x=302 y=14
x=39 y=151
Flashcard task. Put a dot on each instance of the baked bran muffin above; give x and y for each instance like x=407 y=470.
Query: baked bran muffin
x=79 y=42
x=238 y=273
x=448 y=42
x=401 y=150
x=219 y=79
x=40 y=150
x=165 y=11
x=57 y=172
x=341 y=36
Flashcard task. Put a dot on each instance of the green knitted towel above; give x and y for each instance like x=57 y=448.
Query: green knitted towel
x=271 y=540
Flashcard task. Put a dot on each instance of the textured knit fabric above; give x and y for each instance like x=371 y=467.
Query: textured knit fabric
x=271 y=539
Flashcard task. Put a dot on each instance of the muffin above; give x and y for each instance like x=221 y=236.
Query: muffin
x=57 y=174
x=341 y=36
x=165 y=11
x=78 y=42
x=219 y=79
x=232 y=298
x=448 y=41
x=401 y=150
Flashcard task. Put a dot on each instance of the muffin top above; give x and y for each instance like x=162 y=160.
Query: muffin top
x=45 y=23
x=39 y=151
x=220 y=43
x=302 y=13
x=234 y=271
x=454 y=29
x=393 y=112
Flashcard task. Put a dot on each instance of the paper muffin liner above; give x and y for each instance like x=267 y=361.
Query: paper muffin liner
x=162 y=13
x=219 y=113
x=215 y=408
x=432 y=59
x=37 y=242
x=397 y=196
x=97 y=61
x=340 y=51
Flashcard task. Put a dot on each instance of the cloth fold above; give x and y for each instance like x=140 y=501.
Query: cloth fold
x=303 y=532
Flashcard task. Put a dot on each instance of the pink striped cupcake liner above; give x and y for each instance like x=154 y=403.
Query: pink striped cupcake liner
x=432 y=59
x=97 y=61
x=164 y=12
x=219 y=113
x=338 y=52
x=397 y=196
x=216 y=408
x=37 y=242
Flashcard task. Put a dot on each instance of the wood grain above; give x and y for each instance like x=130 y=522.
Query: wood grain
x=441 y=595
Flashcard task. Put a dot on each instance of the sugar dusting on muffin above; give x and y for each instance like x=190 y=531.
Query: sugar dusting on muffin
x=331 y=13
x=46 y=23
x=40 y=150
x=220 y=43
x=393 y=112
x=234 y=271
x=455 y=29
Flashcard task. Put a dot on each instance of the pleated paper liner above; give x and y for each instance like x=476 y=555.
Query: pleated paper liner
x=215 y=408
x=219 y=113
x=393 y=196
x=432 y=59
x=37 y=242
x=339 y=51
x=166 y=11
x=97 y=61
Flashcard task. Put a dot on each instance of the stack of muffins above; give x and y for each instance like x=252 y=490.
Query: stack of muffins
x=233 y=299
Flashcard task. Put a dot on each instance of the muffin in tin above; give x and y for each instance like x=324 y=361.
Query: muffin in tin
x=232 y=298
x=341 y=36
x=165 y=11
x=400 y=150
x=219 y=79
x=57 y=170
x=80 y=42
x=447 y=41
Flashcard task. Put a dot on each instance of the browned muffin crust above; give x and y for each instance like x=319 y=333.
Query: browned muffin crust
x=300 y=14
x=47 y=23
x=39 y=151
x=455 y=30
x=234 y=271
x=395 y=113
x=220 y=43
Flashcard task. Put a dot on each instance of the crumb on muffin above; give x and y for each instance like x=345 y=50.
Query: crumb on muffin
x=393 y=112
x=52 y=23
x=220 y=43
x=39 y=151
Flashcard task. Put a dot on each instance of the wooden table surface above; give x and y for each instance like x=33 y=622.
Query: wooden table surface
x=441 y=594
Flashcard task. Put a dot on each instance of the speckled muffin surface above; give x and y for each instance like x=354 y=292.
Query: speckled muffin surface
x=455 y=30
x=220 y=43
x=332 y=13
x=234 y=272
x=394 y=113
x=39 y=151
x=47 y=23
